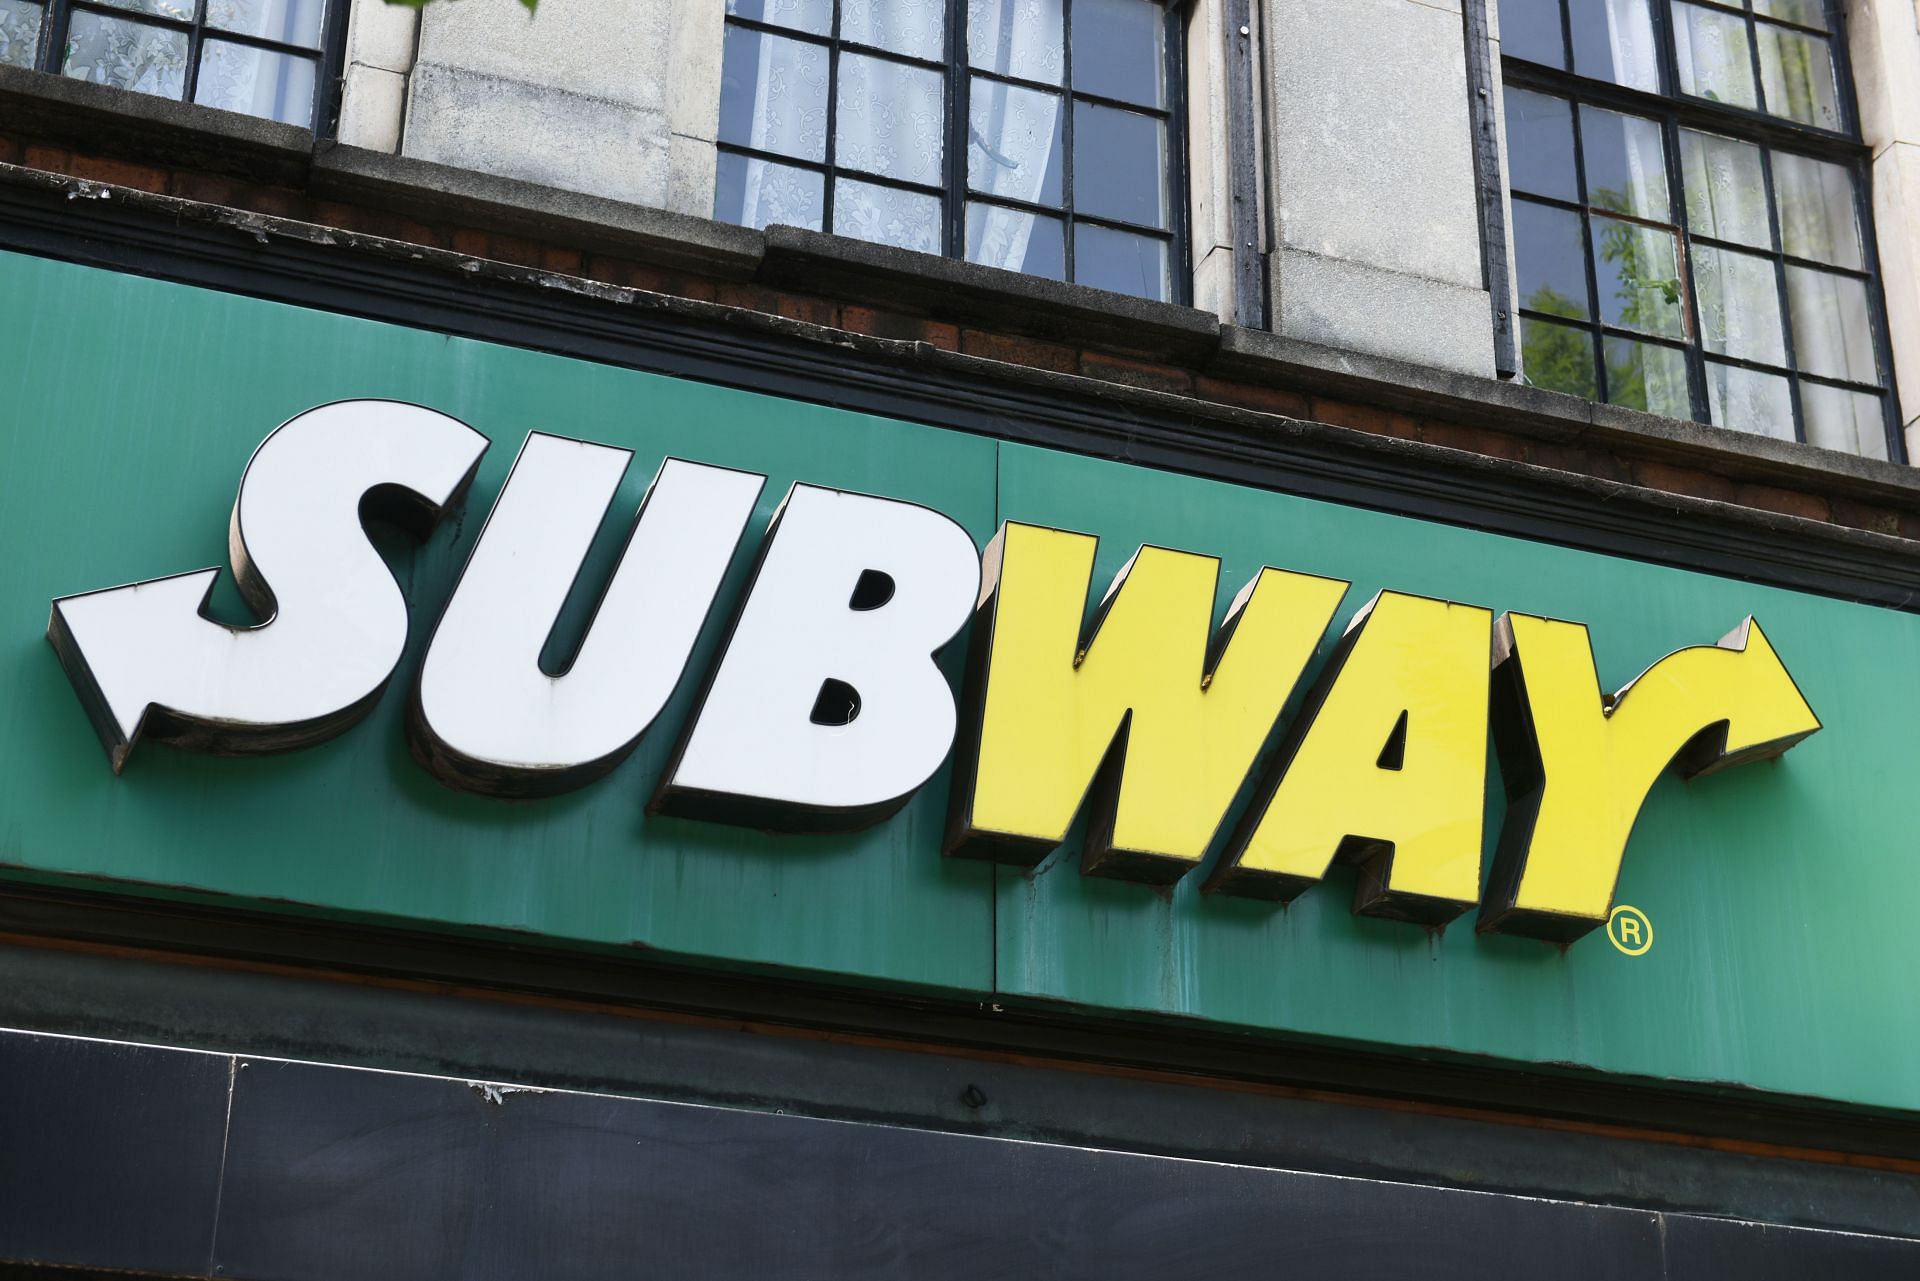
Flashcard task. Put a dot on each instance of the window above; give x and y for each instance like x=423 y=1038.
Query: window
x=1035 y=135
x=260 y=57
x=1690 y=225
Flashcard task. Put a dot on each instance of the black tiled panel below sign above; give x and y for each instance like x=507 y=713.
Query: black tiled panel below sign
x=110 y=1157
x=109 y=1153
x=342 y=1175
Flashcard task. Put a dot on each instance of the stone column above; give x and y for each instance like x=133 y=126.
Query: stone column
x=614 y=98
x=1375 y=216
x=373 y=102
x=1885 y=42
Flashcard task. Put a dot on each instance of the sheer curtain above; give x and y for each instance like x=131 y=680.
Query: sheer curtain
x=789 y=119
x=1012 y=133
x=1630 y=42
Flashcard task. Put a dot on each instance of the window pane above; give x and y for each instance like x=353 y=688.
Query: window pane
x=1748 y=401
x=1017 y=240
x=1119 y=165
x=1530 y=29
x=1540 y=145
x=759 y=193
x=1797 y=73
x=259 y=82
x=1710 y=48
x=181 y=9
x=1832 y=325
x=1118 y=50
x=773 y=94
x=1739 y=305
x=1017 y=38
x=1849 y=421
x=1551 y=260
x=1557 y=357
x=888 y=119
x=1626 y=164
x=1726 y=189
x=1816 y=210
x=19 y=33
x=1642 y=375
x=288 y=21
x=1120 y=261
x=916 y=28
x=1637 y=272
x=1808 y=13
x=886 y=215
x=1014 y=143
x=1613 y=40
x=131 y=55
x=815 y=16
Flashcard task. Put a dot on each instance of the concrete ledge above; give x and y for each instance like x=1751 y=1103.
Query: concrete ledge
x=967 y=293
x=427 y=191
x=1256 y=355
x=152 y=130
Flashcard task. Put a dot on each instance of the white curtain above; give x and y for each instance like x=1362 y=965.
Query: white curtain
x=790 y=118
x=1012 y=132
x=1630 y=37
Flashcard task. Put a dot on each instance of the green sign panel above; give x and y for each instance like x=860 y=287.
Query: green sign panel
x=1762 y=931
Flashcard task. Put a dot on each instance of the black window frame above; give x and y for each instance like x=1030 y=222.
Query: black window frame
x=323 y=119
x=957 y=75
x=1674 y=111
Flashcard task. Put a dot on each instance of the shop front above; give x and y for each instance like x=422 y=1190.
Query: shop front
x=504 y=784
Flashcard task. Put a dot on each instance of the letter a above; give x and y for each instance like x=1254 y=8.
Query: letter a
x=1142 y=717
x=1578 y=765
x=1386 y=769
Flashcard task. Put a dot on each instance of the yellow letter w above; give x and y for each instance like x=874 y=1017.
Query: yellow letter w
x=1142 y=716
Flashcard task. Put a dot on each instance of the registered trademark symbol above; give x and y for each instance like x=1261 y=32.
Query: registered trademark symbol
x=1630 y=930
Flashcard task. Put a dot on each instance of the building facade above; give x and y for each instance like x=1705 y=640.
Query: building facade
x=959 y=637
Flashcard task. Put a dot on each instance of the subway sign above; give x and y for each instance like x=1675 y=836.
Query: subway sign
x=742 y=682
x=825 y=710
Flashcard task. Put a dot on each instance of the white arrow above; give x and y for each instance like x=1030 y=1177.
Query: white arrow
x=146 y=660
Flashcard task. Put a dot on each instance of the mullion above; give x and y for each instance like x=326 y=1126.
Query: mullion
x=1753 y=60
x=1667 y=56
x=1179 y=282
x=195 y=39
x=832 y=180
x=1780 y=288
x=53 y=53
x=953 y=209
x=1586 y=238
x=1067 y=236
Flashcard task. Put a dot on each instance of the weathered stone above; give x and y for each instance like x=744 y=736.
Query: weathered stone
x=537 y=133
x=1339 y=302
x=372 y=107
x=1360 y=208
